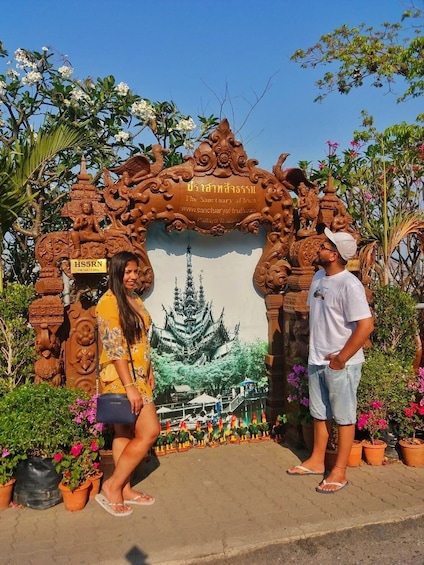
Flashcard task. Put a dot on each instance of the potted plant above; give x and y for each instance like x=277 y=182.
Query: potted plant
x=298 y=398
x=37 y=421
x=374 y=422
x=8 y=463
x=76 y=466
x=355 y=455
x=412 y=447
x=386 y=377
x=388 y=373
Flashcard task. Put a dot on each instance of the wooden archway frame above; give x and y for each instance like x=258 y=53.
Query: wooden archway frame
x=216 y=191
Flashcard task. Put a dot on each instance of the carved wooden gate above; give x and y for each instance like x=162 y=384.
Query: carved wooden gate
x=216 y=191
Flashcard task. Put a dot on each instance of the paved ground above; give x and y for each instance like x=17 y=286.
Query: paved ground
x=212 y=505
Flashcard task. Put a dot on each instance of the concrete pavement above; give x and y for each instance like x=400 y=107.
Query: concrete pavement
x=212 y=503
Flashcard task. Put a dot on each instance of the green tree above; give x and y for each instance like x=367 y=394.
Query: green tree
x=380 y=179
x=380 y=176
x=362 y=54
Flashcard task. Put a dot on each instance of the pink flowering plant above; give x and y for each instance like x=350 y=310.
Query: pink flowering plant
x=413 y=420
x=374 y=421
x=298 y=393
x=8 y=464
x=41 y=420
x=82 y=459
x=78 y=464
x=83 y=412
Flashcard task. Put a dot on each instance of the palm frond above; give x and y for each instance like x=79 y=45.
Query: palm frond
x=22 y=164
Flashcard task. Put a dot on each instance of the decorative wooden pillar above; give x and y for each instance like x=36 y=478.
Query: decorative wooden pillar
x=274 y=359
x=80 y=347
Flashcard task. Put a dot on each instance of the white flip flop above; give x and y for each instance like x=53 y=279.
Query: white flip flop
x=108 y=506
x=136 y=501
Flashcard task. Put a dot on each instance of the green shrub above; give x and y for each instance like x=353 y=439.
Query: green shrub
x=36 y=420
x=387 y=379
x=396 y=323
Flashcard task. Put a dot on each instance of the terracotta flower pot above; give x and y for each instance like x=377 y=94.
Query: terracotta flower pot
x=354 y=460
x=355 y=456
x=76 y=499
x=6 y=492
x=374 y=452
x=96 y=481
x=412 y=452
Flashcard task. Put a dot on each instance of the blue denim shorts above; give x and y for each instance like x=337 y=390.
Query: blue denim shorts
x=332 y=394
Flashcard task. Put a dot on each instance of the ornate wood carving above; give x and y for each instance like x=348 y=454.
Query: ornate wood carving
x=217 y=190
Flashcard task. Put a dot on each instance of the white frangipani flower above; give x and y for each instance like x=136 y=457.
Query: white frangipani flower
x=143 y=110
x=65 y=71
x=78 y=94
x=188 y=144
x=122 y=88
x=122 y=137
x=12 y=74
x=21 y=56
x=32 y=78
x=186 y=125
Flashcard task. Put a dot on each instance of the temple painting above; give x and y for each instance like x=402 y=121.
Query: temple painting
x=191 y=333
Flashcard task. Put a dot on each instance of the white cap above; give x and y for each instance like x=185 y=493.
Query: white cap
x=345 y=243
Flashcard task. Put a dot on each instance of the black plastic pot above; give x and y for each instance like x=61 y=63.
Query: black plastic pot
x=37 y=484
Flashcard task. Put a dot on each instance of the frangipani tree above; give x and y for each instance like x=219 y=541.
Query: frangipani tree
x=118 y=123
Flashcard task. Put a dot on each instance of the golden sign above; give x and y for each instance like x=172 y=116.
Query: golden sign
x=88 y=266
x=353 y=265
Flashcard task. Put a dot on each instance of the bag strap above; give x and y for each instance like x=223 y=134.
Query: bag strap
x=131 y=359
x=96 y=337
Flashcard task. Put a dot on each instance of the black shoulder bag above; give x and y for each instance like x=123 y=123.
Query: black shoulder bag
x=112 y=408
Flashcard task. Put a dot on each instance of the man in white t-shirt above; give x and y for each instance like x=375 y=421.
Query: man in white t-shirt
x=340 y=322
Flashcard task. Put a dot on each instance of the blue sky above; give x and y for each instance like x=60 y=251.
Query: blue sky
x=190 y=51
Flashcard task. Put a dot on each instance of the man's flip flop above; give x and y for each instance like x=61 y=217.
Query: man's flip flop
x=142 y=499
x=109 y=506
x=339 y=486
x=301 y=470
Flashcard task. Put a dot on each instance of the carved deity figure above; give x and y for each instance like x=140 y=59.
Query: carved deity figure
x=308 y=207
x=85 y=228
x=48 y=368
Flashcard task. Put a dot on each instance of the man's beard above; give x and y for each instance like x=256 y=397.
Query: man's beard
x=318 y=262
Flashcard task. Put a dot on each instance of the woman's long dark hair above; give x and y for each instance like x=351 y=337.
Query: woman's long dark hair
x=131 y=323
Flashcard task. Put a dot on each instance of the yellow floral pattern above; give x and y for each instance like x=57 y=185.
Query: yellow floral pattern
x=114 y=347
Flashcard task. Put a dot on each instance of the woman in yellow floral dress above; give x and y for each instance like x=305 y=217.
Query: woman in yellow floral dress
x=122 y=319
